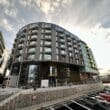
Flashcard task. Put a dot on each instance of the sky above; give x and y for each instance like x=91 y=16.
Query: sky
x=88 y=19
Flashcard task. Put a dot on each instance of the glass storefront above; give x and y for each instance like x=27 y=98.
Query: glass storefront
x=32 y=74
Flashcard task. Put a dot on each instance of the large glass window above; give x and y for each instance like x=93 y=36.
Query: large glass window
x=47 y=57
x=32 y=73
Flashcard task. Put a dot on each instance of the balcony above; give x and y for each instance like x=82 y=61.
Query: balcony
x=32 y=44
x=32 y=50
x=20 y=46
x=34 y=31
x=31 y=57
x=33 y=38
x=47 y=43
x=33 y=25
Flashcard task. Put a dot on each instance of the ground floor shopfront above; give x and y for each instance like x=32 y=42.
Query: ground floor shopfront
x=47 y=74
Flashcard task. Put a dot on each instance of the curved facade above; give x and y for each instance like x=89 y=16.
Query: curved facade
x=47 y=51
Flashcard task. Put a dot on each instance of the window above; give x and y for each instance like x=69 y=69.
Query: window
x=48 y=31
x=31 y=56
x=33 y=25
x=69 y=43
x=75 y=46
x=33 y=70
x=41 y=49
x=77 y=61
x=29 y=31
x=62 y=46
x=70 y=49
x=20 y=45
x=28 y=38
x=33 y=36
x=59 y=29
x=46 y=49
x=75 y=41
x=56 y=44
x=32 y=42
x=56 y=38
x=76 y=51
x=63 y=52
x=62 y=40
x=47 y=57
x=47 y=43
x=40 y=57
x=70 y=54
x=47 y=25
x=22 y=40
x=57 y=51
x=42 y=30
x=42 y=36
x=32 y=50
x=76 y=55
x=21 y=51
x=47 y=36
x=19 y=58
x=34 y=31
x=57 y=57
x=41 y=42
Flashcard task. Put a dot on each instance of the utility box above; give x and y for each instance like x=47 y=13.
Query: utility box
x=45 y=83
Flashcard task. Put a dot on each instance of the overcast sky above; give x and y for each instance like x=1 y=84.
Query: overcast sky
x=88 y=19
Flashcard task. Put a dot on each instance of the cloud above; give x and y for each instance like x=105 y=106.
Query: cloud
x=4 y=2
x=88 y=19
x=4 y=23
x=104 y=71
x=25 y=2
x=11 y=12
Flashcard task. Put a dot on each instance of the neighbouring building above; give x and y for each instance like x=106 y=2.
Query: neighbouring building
x=45 y=52
x=4 y=56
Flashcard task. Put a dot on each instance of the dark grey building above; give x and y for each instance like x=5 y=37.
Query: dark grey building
x=45 y=51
